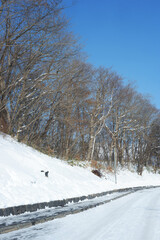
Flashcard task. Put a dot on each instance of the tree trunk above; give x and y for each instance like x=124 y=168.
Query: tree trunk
x=91 y=148
x=115 y=160
x=91 y=141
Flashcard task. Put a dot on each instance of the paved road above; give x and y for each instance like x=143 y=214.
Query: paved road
x=133 y=217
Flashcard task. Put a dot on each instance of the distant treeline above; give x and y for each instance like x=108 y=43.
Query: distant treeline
x=52 y=99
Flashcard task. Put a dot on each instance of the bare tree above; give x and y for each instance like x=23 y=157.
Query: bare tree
x=34 y=47
x=102 y=102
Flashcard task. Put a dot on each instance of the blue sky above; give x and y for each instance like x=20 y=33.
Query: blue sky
x=124 y=35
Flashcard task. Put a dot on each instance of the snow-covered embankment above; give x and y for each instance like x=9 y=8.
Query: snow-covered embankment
x=22 y=182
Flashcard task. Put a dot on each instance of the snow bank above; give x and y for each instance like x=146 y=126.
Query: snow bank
x=22 y=182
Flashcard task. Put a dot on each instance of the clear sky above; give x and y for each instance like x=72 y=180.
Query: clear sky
x=124 y=35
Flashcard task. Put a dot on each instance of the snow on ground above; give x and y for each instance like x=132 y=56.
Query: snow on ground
x=22 y=182
x=133 y=217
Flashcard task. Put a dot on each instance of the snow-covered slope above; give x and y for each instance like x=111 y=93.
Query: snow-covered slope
x=22 y=182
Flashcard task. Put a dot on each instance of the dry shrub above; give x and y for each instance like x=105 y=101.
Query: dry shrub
x=95 y=164
x=109 y=169
x=77 y=157
x=3 y=125
x=50 y=151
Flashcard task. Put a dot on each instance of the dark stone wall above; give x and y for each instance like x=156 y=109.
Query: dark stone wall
x=15 y=210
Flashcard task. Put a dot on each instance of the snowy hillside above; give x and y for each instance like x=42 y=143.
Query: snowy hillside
x=22 y=182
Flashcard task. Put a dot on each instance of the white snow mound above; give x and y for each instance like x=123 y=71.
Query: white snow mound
x=22 y=182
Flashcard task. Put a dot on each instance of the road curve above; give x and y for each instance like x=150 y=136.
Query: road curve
x=133 y=217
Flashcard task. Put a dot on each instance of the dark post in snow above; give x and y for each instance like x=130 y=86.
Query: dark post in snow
x=115 y=161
